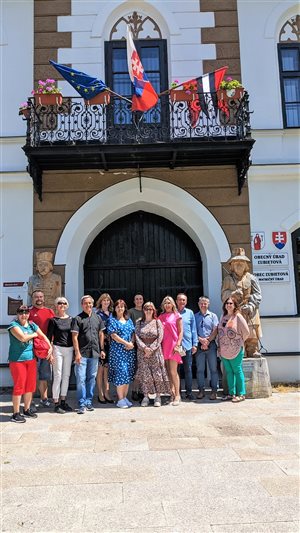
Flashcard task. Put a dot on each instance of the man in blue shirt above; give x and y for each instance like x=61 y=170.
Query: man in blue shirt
x=189 y=342
x=207 y=329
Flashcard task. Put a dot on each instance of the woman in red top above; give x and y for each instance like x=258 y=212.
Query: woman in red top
x=233 y=331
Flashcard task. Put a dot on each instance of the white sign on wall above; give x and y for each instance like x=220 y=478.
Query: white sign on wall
x=273 y=276
x=262 y=259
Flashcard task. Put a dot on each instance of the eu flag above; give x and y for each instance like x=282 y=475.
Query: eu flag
x=85 y=85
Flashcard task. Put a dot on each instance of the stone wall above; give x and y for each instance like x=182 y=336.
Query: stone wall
x=215 y=187
x=225 y=35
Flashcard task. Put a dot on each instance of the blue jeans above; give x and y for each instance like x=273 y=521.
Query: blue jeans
x=86 y=373
x=187 y=365
x=209 y=355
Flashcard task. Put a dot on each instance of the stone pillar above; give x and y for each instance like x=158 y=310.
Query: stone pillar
x=257 y=378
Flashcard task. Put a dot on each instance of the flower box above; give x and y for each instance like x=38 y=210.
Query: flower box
x=99 y=99
x=180 y=95
x=48 y=99
x=230 y=94
x=25 y=113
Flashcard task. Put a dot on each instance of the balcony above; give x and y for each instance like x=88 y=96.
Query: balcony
x=77 y=135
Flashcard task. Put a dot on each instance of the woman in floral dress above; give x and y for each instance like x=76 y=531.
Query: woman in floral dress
x=151 y=375
x=121 y=352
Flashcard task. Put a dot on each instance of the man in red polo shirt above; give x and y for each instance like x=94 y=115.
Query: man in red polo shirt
x=41 y=315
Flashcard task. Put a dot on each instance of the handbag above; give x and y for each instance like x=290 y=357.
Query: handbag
x=40 y=348
x=180 y=350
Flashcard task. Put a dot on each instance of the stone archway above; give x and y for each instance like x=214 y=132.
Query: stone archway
x=158 y=197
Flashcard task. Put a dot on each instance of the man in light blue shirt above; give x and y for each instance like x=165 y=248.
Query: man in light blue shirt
x=207 y=329
x=189 y=342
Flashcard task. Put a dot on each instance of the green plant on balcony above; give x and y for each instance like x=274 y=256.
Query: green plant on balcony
x=230 y=88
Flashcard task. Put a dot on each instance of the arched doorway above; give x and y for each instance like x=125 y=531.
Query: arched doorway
x=143 y=252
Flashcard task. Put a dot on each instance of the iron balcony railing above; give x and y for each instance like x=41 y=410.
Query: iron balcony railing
x=74 y=121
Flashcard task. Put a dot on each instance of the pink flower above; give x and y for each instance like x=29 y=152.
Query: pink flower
x=229 y=78
x=49 y=80
x=41 y=82
x=33 y=92
x=49 y=88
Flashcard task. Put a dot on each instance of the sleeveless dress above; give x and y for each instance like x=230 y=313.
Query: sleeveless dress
x=170 y=338
x=104 y=317
x=151 y=375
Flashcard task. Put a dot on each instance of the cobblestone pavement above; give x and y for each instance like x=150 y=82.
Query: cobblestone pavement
x=200 y=467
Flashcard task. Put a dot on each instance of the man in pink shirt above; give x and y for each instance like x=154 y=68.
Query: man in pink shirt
x=41 y=315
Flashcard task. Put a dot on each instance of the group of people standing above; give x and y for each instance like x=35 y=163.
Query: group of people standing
x=110 y=344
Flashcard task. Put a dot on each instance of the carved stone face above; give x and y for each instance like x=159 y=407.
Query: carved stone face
x=239 y=267
x=43 y=267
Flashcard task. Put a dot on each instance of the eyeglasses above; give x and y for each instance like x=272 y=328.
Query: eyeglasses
x=62 y=303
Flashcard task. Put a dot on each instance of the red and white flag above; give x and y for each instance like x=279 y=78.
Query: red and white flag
x=144 y=96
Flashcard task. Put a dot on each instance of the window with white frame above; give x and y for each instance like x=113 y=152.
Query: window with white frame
x=289 y=68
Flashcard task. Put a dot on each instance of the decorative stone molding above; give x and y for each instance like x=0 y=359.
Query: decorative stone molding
x=290 y=31
x=139 y=27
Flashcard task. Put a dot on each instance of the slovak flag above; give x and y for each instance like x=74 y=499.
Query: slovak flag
x=144 y=96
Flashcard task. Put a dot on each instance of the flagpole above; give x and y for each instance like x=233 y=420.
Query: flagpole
x=167 y=91
x=118 y=95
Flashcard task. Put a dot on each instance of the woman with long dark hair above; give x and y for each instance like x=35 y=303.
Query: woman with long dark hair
x=233 y=331
x=121 y=352
x=104 y=307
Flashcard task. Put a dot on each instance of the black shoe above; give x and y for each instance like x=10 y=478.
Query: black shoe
x=18 y=418
x=102 y=401
x=29 y=414
x=89 y=407
x=66 y=407
x=107 y=400
x=33 y=408
x=135 y=396
x=190 y=396
x=58 y=409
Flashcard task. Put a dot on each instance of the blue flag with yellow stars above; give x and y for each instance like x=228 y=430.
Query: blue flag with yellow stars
x=85 y=85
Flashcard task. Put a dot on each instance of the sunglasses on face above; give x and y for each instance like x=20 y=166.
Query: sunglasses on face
x=230 y=303
x=61 y=303
x=148 y=308
x=23 y=312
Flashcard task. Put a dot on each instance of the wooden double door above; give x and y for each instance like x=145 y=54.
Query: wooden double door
x=143 y=253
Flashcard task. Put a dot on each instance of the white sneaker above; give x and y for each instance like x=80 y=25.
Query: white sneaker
x=145 y=401
x=122 y=404
x=157 y=401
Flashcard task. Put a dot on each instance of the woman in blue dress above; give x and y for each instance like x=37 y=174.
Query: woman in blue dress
x=121 y=352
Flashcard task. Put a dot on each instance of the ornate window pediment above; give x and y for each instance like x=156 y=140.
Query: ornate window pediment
x=290 y=31
x=142 y=27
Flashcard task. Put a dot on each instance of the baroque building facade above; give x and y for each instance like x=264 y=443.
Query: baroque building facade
x=155 y=207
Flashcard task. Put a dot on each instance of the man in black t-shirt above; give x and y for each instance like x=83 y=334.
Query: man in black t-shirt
x=88 y=341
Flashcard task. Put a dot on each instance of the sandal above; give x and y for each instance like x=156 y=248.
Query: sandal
x=236 y=399
x=225 y=398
